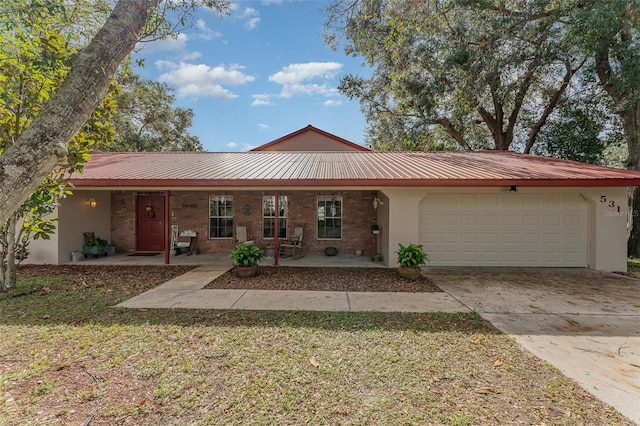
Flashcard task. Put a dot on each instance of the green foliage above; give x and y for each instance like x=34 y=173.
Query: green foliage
x=245 y=255
x=38 y=43
x=145 y=119
x=411 y=255
x=487 y=76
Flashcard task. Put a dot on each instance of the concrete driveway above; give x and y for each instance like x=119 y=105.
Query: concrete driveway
x=583 y=322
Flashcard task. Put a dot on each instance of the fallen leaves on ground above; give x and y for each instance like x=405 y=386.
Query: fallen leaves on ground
x=325 y=279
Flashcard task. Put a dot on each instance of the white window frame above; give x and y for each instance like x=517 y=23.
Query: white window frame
x=268 y=205
x=329 y=207
x=223 y=199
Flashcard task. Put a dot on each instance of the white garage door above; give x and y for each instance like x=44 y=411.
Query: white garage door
x=504 y=230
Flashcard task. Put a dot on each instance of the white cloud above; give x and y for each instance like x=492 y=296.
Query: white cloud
x=263 y=127
x=249 y=15
x=191 y=56
x=202 y=80
x=167 y=44
x=204 y=32
x=307 y=79
x=261 y=100
x=296 y=73
x=231 y=145
x=252 y=23
x=308 y=90
x=332 y=102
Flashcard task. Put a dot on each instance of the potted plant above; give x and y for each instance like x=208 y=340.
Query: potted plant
x=245 y=259
x=95 y=246
x=410 y=258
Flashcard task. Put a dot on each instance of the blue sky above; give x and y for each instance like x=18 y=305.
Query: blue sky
x=258 y=74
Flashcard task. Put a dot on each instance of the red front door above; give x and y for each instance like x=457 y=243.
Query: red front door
x=150 y=223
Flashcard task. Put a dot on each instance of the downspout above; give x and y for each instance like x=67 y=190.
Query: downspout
x=167 y=227
x=276 y=244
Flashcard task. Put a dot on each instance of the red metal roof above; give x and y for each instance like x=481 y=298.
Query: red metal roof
x=365 y=169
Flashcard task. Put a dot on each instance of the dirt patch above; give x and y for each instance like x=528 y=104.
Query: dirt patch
x=325 y=279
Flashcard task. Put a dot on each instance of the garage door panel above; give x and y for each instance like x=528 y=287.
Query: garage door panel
x=511 y=238
x=552 y=219
x=489 y=219
x=490 y=257
x=467 y=219
x=449 y=238
x=552 y=239
x=510 y=219
x=490 y=238
x=505 y=229
x=490 y=202
x=469 y=238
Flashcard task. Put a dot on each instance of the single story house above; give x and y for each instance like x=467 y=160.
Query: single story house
x=466 y=208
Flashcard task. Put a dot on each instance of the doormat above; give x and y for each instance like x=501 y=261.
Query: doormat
x=146 y=253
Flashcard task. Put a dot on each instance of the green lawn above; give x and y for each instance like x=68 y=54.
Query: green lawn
x=67 y=356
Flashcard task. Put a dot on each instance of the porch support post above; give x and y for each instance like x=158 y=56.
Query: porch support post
x=276 y=245
x=167 y=226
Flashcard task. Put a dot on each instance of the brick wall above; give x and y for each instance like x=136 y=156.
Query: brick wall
x=190 y=210
x=123 y=220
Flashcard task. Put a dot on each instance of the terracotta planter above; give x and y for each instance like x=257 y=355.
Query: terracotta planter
x=409 y=272
x=247 y=271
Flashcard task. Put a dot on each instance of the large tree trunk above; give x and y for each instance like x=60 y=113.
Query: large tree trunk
x=631 y=124
x=8 y=269
x=35 y=154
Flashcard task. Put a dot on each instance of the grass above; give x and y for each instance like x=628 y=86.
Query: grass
x=633 y=262
x=66 y=351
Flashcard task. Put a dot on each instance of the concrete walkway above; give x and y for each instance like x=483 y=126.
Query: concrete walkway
x=186 y=291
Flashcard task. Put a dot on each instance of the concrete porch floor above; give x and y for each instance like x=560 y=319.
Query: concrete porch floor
x=222 y=259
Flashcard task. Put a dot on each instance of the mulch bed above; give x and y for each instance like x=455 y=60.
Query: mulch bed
x=324 y=279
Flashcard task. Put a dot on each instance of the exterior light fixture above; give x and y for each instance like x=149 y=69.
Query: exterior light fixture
x=93 y=203
x=513 y=188
x=377 y=202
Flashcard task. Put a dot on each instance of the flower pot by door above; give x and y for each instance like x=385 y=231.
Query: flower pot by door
x=409 y=272
x=247 y=271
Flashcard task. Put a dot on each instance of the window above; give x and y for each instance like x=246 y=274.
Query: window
x=268 y=216
x=220 y=216
x=329 y=218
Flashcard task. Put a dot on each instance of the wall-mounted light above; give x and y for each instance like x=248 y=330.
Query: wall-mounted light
x=377 y=202
x=513 y=188
x=93 y=203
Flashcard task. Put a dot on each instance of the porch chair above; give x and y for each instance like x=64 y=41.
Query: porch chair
x=186 y=241
x=241 y=236
x=293 y=247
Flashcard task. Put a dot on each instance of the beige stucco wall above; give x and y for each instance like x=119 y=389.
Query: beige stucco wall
x=76 y=217
x=310 y=141
x=607 y=235
x=44 y=252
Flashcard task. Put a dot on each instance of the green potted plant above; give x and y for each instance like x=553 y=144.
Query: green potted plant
x=245 y=259
x=95 y=246
x=410 y=258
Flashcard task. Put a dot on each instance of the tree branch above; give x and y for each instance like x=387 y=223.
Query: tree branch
x=35 y=154
x=553 y=102
x=448 y=127
x=605 y=73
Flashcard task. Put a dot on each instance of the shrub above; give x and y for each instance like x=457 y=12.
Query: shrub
x=411 y=255
x=245 y=255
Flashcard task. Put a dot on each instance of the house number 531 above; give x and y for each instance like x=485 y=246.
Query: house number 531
x=610 y=203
